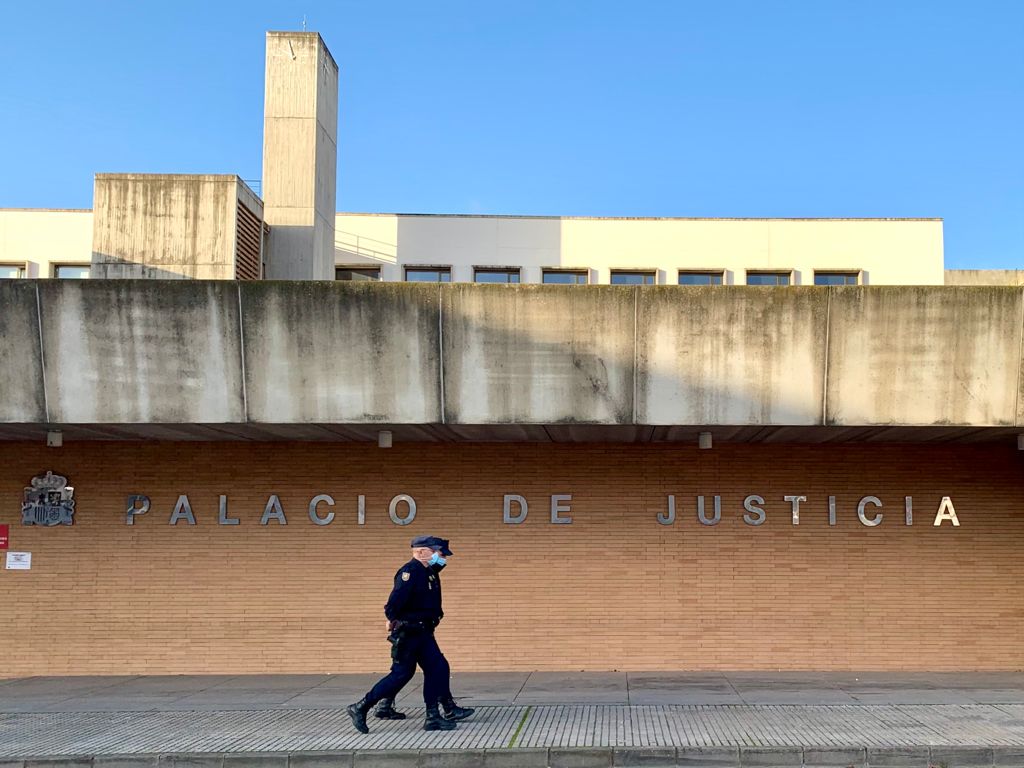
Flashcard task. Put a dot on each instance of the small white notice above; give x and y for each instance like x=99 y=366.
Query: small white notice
x=19 y=561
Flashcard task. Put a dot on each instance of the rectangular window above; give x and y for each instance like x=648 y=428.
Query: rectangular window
x=623 y=277
x=768 y=278
x=428 y=274
x=566 y=277
x=11 y=271
x=490 y=275
x=70 y=271
x=836 y=278
x=700 y=278
x=357 y=273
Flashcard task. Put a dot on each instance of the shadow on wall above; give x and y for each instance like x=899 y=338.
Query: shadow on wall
x=458 y=242
x=105 y=266
x=353 y=248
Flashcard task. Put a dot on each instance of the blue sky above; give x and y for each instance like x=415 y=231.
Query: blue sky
x=639 y=108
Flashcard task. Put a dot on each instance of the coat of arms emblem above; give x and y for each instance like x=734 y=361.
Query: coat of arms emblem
x=49 y=501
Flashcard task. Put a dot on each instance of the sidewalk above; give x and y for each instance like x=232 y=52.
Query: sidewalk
x=538 y=719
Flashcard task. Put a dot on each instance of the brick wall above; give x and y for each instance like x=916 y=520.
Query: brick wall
x=613 y=590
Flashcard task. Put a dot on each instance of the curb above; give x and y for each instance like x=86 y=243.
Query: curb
x=563 y=757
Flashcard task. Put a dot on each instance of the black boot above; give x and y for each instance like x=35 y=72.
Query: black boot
x=453 y=711
x=386 y=711
x=358 y=712
x=435 y=722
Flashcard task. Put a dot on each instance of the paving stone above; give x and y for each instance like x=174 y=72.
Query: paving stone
x=650 y=757
x=255 y=761
x=826 y=758
x=961 y=757
x=1008 y=757
x=579 y=758
x=708 y=757
x=386 y=758
x=898 y=757
x=331 y=760
x=451 y=758
x=126 y=761
x=516 y=758
x=757 y=757
x=190 y=761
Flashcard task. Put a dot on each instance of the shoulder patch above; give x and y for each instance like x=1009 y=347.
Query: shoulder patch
x=405 y=575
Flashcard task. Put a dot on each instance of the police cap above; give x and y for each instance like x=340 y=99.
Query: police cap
x=433 y=542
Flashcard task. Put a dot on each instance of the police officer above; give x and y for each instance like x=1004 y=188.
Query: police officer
x=413 y=611
x=386 y=707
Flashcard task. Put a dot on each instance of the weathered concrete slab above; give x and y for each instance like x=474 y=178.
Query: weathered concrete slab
x=336 y=352
x=538 y=354
x=742 y=356
x=131 y=351
x=924 y=356
x=567 y=363
x=21 y=368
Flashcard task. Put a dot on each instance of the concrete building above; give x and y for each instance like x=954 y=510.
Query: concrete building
x=220 y=474
x=159 y=227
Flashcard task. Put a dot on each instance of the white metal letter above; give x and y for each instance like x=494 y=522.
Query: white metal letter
x=506 y=510
x=314 y=515
x=273 y=510
x=751 y=504
x=557 y=506
x=795 y=503
x=946 y=512
x=860 y=511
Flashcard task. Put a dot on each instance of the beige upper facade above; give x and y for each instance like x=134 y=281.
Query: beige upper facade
x=36 y=243
x=877 y=251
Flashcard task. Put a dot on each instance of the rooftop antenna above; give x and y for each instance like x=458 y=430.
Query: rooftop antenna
x=303 y=22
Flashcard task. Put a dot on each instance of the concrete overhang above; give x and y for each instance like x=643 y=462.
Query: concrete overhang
x=219 y=360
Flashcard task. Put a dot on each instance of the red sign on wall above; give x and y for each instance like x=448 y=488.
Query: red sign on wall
x=5 y=538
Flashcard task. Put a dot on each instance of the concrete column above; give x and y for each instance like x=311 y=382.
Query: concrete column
x=300 y=156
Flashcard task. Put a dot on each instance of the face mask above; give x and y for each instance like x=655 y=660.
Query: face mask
x=436 y=559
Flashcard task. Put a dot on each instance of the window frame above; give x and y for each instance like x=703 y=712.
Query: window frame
x=355 y=267
x=653 y=273
x=719 y=273
x=778 y=272
x=56 y=266
x=579 y=272
x=21 y=266
x=856 y=274
x=507 y=271
x=439 y=268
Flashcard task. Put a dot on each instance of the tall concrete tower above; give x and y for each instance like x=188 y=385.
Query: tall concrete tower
x=300 y=156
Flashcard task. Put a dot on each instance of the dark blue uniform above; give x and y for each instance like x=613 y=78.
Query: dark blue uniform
x=415 y=603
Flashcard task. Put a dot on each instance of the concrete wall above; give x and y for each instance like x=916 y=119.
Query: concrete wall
x=314 y=354
x=300 y=134
x=38 y=240
x=886 y=251
x=532 y=355
x=321 y=353
x=141 y=351
x=167 y=226
x=985 y=277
